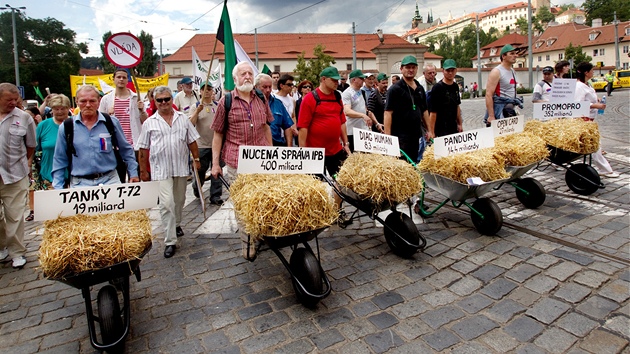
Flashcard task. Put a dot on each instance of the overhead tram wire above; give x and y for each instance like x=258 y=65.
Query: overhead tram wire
x=386 y=9
x=205 y=13
x=283 y=17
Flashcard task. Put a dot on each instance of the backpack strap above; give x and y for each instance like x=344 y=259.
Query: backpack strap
x=68 y=128
x=111 y=130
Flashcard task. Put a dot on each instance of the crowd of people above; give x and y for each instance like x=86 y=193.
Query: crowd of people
x=118 y=137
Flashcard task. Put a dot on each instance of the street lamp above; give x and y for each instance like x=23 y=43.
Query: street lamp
x=379 y=33
x=15 y=47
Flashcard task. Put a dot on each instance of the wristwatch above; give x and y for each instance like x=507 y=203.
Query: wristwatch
x=196 y=159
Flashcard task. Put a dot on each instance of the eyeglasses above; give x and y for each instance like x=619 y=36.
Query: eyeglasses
x=307 y=86
x=162 y=100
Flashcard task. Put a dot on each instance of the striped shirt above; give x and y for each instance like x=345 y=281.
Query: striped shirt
x=122 y=107
x=245 y=125
x=17 y=132
x=168 y=145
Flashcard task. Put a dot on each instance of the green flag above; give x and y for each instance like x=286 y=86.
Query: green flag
x=224 y=34
x=266 y=70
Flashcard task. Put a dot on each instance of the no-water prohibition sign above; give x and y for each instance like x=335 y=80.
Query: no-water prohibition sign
x=124 y=50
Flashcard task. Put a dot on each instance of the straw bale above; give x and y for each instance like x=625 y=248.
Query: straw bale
x=380 y=178
x=281 y=205
x=75 y=244
x=570 y=134
x=486 y=164
x=521 y=149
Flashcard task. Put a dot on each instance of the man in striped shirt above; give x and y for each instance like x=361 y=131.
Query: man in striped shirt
x=169 y=135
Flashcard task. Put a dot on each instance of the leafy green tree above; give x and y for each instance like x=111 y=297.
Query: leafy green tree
x=107 y=66
x=47 y=52
x=522 y=25
x=544 y=15
x=148 y=65
x=565 y=7
x=91 y=63
x=462 y=47
x=604 y=9
x=576 y=53
x=310 y=69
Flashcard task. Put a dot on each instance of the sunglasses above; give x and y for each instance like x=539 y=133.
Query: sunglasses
x=162 y=100
x=290 y=84
x=307 y=86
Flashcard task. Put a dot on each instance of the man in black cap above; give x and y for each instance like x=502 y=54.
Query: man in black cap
x=376 y=103
x=542 y=90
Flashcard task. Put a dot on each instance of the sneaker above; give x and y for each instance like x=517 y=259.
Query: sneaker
x=342 y=219
x=4 y=254
x=610 y=174
x=30 y=216
x=19 y=262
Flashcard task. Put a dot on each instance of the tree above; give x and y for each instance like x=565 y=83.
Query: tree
x=565 y=7
x=48 y=53
x=604 y=9
x=576 y=53
x=462 y=47
x=544 y=15
x=107 y=66
x=91 y=63
x=310 y=69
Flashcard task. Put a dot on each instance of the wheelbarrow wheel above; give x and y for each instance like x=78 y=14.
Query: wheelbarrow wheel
x=582 y=179
x=110 y=320
x=530 y=193
x=400 y=225
x=492 y=219
x=305 y=267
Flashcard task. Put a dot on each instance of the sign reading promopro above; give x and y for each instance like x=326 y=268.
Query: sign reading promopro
x=369 y=141
x=548 y=110
x=103 y=199
x=463 y=142
x=276 y=159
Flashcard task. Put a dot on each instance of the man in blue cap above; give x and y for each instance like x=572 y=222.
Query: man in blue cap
x=187 y=99
x=501 y=87
x=445 y=114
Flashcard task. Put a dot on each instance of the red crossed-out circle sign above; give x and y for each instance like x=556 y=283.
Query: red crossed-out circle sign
x=124 y=50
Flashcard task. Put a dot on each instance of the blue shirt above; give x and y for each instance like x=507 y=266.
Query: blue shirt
x=282 y=120
x=94 y=151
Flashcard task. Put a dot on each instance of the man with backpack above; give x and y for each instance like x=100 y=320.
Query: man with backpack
x=88 y=152
x=355 y=106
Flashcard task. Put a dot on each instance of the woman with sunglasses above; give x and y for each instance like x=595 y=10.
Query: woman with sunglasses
x=303 y=88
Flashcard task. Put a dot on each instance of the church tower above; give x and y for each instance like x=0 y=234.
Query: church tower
x=417 y=19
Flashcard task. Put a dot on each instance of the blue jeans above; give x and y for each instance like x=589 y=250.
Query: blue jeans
x=423 y=146
x=110 y=178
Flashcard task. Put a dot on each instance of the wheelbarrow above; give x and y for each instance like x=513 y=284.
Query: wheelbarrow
x=529 y=191
x=113 y=321
x=307 y=275
x=581 y=178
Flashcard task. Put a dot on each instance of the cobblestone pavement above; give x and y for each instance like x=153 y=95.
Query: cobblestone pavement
x=564 y=288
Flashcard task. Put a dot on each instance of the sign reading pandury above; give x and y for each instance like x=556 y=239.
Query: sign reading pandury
x=463 y=142
x=277 y=159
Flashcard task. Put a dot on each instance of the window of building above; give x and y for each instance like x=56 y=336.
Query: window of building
x=493 y=51
x=483 y=51
x=547 y=57
x=601 y=51
x=550 y=41
x=625 y=49
x=627 y=30
x=349 y=67
x=595 y=52
x=177 y=71
x=540 y=58
x=276 y=68
x=560 y=56
x=625 y=66
x=593 y=35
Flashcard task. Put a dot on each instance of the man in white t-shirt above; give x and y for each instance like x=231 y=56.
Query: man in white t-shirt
x=355 y=106
x=542 y=90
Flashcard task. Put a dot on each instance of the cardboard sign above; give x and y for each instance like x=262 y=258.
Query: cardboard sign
x=124 y=50
x=369 y=141
x=103 y=199
x=507 y=126
x=562 y=90
x=548 y=110
x=463 y=142
x=277 y=159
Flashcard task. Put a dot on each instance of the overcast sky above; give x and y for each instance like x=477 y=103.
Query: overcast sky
x=170 y=19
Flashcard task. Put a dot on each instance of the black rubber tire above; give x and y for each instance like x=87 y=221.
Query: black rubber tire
x=582 y=179
x=400 y=224
x=492 y=217
x=305 y=267
x=110 y=320
x=535 y=195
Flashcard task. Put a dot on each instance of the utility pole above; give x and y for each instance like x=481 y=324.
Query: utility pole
x=256 y=46
x=160 y=71
x=616 y=23
x=530 y=58
x=354 y=48
x=15 y=47
x=478 y=52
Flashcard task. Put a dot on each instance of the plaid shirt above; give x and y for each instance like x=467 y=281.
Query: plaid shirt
x=245 y=125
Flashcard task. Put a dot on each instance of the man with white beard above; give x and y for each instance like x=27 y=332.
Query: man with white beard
x=247 y=123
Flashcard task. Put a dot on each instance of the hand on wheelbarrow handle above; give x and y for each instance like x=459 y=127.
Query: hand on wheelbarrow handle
x=225 y=183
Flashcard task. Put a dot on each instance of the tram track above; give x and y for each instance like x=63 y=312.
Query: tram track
x=607 y=203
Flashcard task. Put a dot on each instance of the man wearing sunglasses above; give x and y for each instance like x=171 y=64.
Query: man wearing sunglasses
x=169 y=135
x=285 y=86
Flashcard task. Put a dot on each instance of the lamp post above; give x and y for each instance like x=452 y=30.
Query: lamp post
x=15 y=47
x=616 y=23
x=379 y=33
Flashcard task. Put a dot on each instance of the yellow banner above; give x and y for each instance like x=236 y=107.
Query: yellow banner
x=105 y=82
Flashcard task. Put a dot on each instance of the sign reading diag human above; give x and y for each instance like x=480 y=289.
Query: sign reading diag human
x=369 y=141
x=463 y=142
x=104 y=199
x=277 y=159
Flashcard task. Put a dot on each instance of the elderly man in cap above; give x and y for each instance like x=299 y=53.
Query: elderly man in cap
x=355 y=106
x=445 y=114
x=186 y=99
x=369 y=85
x=542 y=90
x=376 y=102
x=501 y=87
x=202 y=118
x=406 y=110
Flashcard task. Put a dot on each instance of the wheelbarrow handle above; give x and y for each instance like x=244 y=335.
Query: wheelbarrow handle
x=225 y=183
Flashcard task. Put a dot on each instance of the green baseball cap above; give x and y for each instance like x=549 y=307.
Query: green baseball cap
x=330 y=72
x=381 y=76
x=449 y=64
x=205 y=83
x=507 y=48
x=356 y=73
x=409 y=59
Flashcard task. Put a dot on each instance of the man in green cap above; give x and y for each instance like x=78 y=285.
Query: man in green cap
x=406 y=110
x=376 y=103
x=501 y=87
x=445 y=114
x=355 y=106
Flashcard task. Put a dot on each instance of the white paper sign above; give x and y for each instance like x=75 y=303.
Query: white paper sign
x=369 y=141
x=549 y=110
x=463 y=142
x=103 y=199
x=277 y=159
x=562 y=90
x=507 y=126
